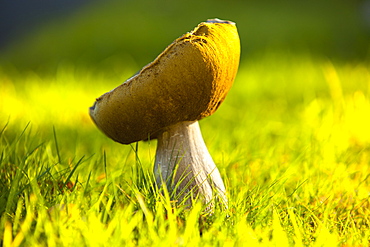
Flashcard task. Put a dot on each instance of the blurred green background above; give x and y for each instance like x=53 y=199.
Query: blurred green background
x=115 y=35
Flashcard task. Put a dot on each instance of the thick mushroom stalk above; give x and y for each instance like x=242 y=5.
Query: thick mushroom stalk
x=184 y=164
x=165 y=100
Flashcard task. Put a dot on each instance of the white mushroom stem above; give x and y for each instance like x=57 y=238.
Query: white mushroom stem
x=184 y=165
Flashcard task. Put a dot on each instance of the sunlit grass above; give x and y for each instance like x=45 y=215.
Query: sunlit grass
x=60 y=100
x=292 y=141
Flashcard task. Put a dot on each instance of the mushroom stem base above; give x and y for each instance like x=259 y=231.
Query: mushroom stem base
x=184 y=165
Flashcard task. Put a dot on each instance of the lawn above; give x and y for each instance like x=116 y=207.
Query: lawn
x=291 y=140
x=295 y=160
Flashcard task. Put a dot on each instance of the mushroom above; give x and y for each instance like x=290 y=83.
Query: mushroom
x=187 y=82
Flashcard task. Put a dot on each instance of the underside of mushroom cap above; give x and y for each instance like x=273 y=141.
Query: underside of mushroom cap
x=186 y=82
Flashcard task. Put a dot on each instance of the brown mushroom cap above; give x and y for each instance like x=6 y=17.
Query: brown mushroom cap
x=186 y=82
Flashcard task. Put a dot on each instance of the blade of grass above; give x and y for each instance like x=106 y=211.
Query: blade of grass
x=73 y=171
x=56 y=145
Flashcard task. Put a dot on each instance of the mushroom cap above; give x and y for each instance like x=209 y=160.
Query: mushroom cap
x=186 y=82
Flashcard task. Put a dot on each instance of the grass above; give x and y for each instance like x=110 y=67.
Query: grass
x=291 y=140
x=293 y=146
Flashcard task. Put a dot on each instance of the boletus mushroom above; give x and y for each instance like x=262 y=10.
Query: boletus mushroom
x=187 y=82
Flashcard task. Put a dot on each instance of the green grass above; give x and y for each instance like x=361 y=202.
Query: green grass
x=291 y=141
